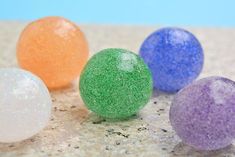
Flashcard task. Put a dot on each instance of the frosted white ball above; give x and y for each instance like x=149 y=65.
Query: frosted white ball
x=25 y=105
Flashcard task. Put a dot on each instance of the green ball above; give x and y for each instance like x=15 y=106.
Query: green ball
x=115 y=83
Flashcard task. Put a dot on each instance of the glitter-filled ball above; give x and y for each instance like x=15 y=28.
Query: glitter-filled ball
x=203 y=113
x=115 y=83
x=174 y=56
x=54 y=49
x=25 y=105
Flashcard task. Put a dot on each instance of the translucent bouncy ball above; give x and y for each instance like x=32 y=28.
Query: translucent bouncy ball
x=25 y=105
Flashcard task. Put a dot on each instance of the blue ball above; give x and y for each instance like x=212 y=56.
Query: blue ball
x=174 y=56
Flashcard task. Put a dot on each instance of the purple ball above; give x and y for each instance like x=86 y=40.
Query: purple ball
x=203 y=113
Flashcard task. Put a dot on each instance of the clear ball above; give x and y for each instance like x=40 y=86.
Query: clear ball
x=25 y=105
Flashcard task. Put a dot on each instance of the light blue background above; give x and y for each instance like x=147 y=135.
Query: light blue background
x=160 y=12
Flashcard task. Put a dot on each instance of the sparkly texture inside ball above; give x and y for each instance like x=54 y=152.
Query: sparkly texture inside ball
x=174 y=56
x=25 y=105
x=54 y=49
x=203 y=113
x=115 y=83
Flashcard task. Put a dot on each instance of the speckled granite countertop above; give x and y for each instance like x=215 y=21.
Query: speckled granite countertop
x=74 y=131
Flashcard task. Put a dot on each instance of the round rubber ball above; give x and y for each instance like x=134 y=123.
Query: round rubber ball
x=115 y=83
x=203 y=113
x=25 y=105
x=174 y=56
x=54 y=49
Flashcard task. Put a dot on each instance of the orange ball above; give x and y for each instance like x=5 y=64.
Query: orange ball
x=53 y=48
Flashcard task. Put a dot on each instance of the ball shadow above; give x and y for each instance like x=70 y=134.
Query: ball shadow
x=157 y=93
x=184 y=150
x=96 y=119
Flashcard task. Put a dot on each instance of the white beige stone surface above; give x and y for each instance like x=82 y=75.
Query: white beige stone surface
x=74 y=131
